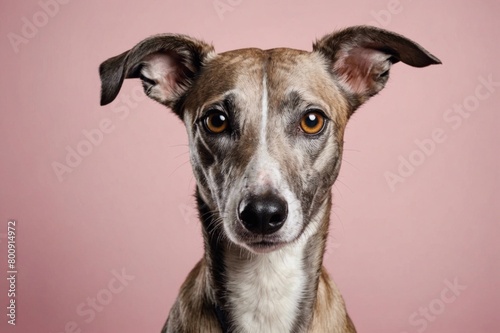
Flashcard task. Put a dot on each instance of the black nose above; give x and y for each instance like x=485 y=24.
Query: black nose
x=264 y=214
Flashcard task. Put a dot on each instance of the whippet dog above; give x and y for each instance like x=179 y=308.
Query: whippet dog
x=265 y=131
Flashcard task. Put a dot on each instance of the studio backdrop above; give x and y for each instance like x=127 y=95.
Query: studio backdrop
x=98 y=226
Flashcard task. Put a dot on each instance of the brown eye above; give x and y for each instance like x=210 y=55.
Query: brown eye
x=216 y=122
x=312 y=122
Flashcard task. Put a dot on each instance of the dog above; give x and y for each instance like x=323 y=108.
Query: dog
x=265 y=131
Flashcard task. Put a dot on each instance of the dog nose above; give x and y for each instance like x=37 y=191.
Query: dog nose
x=264 y=214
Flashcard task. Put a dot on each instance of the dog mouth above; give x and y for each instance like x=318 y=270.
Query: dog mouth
x=265 y=246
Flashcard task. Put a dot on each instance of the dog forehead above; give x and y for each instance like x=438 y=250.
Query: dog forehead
x=246 y=69
x=285 y=71
x=278 y=64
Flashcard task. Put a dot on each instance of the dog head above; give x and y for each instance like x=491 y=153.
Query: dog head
x=265 y=127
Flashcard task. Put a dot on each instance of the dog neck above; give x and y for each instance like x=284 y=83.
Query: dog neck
x=273 y=292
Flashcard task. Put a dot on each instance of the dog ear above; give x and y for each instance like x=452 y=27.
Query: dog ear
x=166 y=64
x=360 y=58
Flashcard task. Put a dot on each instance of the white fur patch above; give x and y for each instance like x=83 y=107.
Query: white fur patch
x=265 y=290
x=265 y=107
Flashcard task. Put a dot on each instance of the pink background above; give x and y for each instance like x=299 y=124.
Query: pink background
x=128 y=204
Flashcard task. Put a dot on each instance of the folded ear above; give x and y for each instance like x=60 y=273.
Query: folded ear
x=166 y=64
x=360 y=58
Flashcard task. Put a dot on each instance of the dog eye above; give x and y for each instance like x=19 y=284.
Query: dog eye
x=312 y=122
x=216 y=122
